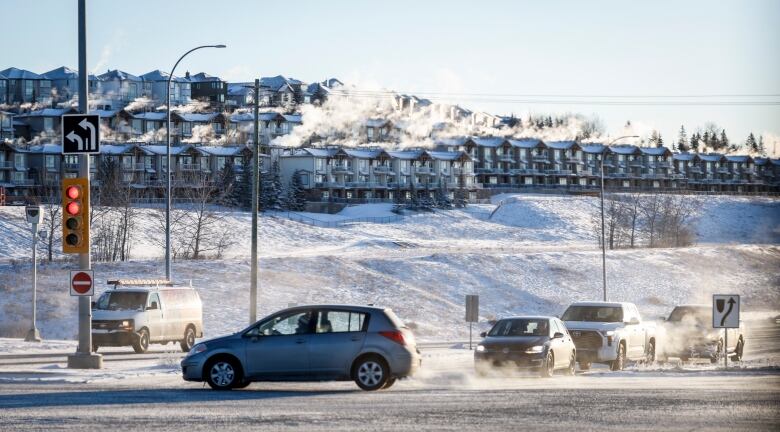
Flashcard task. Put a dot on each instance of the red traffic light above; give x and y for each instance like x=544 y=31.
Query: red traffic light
x=72 y=192
x=73 y=208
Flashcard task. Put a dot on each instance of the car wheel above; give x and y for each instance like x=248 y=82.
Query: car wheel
x=572 y=365
x=549 y=365
x=620 y=361
x=585 y=365
x=738 y=351
x=389 y=383
x=223 y=374
x=650 y=354
x=371 y=373
x=189 y=339
x=95 y=347
x=141 y=344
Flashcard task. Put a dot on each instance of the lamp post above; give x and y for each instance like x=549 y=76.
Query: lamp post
x=603 y=235
x=168 y=161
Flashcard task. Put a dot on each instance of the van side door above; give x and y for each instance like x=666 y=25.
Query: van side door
x=154 y=318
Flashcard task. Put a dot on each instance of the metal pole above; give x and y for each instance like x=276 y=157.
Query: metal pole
x=470 y=324
x=603 y=234
x=726 y=350
x=84 y=358
x=255 y=205
x=33 y=335
x=168 y=172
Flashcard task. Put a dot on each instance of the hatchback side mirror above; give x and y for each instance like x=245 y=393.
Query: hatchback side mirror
x=557 y=335
x=483 y=334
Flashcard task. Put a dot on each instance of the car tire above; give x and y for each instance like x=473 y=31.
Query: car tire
x=620 y=362
x=141 y=344
x=371 y=373
x=389 y=383
x=738 y=351
x=189 y=339
x=572 y=365
x=95 y=347
x=223 y=374
x=650 y=354
x=548 y=368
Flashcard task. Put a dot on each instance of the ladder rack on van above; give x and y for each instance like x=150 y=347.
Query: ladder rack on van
x=139 y=282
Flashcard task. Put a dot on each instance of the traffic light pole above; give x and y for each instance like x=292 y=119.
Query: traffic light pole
x=255 y=205
x=84 y=357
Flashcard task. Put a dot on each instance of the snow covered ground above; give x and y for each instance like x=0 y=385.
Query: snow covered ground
x=535 y=254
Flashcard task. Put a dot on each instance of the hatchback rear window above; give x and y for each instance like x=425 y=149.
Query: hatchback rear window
x=393 y=318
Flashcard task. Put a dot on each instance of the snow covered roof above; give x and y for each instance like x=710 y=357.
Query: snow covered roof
x=739 y=158
x=684 y=156
x=655 y=151
x=220 y=151
x=161 y=149
x=712 y=157
x=364 y=153
x=16 y=73
x=321 y=152
x=239 y=89
x=117 y=74
x=115 y=149
x=197 y=117
x=278 y=82
x=293 y=118
x=625 y=149
x=203 y=77
x=596 y=148
x=489 y=141
x=158 y=116
x=104 y=113
x=447 y=155
x=760 y=161
x=561 y=145
x=48 y=112
x=406 y=154
x=46 y=149
x=264 y=116
x=62 y=72
x=452 y=141
x=524 y=142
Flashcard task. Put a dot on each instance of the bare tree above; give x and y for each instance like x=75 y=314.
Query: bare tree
x=651 y=210
x=206 y=227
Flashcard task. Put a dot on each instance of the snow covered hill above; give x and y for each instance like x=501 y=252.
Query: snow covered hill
x=535 y=254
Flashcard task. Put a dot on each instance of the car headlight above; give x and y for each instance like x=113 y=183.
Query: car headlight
x=535 y=349
x=197 y=349
x=480 y=348
x=126 y=325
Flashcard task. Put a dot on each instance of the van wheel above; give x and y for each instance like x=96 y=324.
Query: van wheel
x=585 y=365
x=95 y=347
x=738 y=350
x=141 y=344
x=371 y=373
x=189 y=339
x=620 y=361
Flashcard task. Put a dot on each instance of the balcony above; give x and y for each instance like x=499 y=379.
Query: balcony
x=694 y=170
x=340 y=169
x=329 y=185
x=71 y=166
x=573 y=160
x=723 y=170
x=23 y=182
x=422 y=170
x=381 y=169
x=540 y=159
x=6 y=164
x=506 y=158
x=187 y=167
x=663 y=164
x=489 y=171
x=524 y=171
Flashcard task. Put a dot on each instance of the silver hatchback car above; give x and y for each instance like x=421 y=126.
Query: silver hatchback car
x=309 y=343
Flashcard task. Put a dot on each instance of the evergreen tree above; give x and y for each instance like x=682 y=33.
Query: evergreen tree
x=271 y=197
x=442 y=199
x=655 y=139
x=227 y=185
x=548 y=122
x=761 y=148
x=751 y=144
x=296 y=195
x=724 y=141
x=695 y=140
x=682 y=140
x=705 y=141
x=242 y=192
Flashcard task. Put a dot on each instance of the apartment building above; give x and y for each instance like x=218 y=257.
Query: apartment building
x=22 y=86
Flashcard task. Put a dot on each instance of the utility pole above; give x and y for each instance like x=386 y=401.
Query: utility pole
x=255 y=205
x=34 y=216
x=84 y=357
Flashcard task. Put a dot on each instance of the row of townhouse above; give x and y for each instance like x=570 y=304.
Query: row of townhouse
x=516 y=163
x=116 y=89
x=375 y=173
x=37 y=171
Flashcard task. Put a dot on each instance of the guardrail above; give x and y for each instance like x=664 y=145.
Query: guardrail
x=297 y=217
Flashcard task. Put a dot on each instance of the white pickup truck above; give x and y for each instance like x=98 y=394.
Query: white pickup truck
x=609 y=333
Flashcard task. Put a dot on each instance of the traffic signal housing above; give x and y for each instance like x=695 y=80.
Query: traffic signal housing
x=75 y=215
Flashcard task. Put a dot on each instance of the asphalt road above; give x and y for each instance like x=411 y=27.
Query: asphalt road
x=445 y=396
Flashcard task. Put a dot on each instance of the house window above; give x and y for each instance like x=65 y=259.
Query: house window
x=370 y=133
x=20 y=160
x=304 y=179
x=325 y=194
x=50 y=164
x=220 y=163
x=48 y=123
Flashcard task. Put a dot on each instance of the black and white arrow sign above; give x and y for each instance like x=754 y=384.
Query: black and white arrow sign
x=725 y=311
x=80 y=134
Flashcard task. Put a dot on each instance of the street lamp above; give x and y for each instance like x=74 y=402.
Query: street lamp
x=603 y=236
x=168 y=162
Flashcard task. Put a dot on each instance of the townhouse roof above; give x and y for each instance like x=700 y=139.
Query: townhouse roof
x=655 y=151
x=321 y=152
x=158 y=75
x=238 y=89
x=293 y=118
x=104 y=113
x=760 y=161
x=198 y=117
x=203 y=77
x=364 y=153
x=775 y=162
x=46 y=149
x=712 y=157
x=115 y=149
x=117 y=74
x=406 y=154
x=561 y=145
x=624 y=149
x=157 y=116
x=739 y=158
x=16 y=73
x=452 y=141
x=489 y=141
x=249 y=117
x=593 y=148
x=161 y=149
x=684 y=156
x=62 y=72
x=447 y=155
x=47 y=112
x=221 y=150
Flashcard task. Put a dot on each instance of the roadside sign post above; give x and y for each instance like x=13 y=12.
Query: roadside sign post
x=725 y=315
x=472 y=312
x=34 y=214
x=82 y=283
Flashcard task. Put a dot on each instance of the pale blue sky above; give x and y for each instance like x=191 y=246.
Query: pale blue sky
x=507 y=47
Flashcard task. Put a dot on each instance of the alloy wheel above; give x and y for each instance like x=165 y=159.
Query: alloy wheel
x=222 y=374
x=370 y=373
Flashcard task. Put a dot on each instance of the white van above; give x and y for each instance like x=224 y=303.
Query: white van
x=140 y=312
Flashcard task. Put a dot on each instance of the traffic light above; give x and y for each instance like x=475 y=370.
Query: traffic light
x=75 y=215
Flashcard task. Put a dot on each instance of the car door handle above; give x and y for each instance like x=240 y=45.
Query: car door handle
x=355 y=338
x=300 y=341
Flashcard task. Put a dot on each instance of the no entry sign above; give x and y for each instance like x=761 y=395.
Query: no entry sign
x=81 y=283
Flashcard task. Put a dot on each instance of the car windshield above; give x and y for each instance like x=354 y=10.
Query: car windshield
x=593 y=313
x=520 y=327
x=694 y=315
x=118 y=300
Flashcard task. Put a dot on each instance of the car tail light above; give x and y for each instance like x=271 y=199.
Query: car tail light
x=395 y=336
